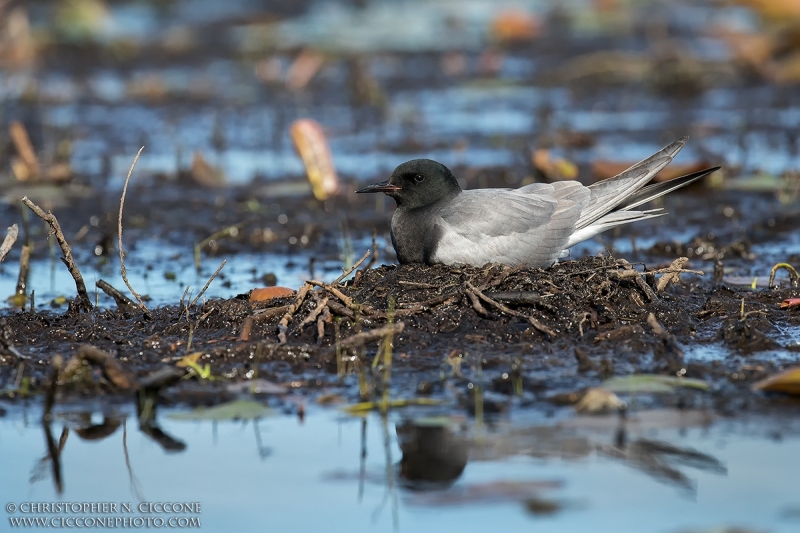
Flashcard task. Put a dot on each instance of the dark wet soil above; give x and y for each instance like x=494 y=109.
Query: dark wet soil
x=550 y=334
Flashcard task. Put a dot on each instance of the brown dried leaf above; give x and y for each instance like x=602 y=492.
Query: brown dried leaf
x=206 y=175
x=311 y=144
x=553 y=169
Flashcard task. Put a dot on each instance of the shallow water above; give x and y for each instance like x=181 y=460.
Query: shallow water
x=286 y=475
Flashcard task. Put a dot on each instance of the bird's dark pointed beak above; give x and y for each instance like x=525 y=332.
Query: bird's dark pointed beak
x=383 y=186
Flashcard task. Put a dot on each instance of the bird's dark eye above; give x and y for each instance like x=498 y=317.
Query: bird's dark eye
x=419 y=178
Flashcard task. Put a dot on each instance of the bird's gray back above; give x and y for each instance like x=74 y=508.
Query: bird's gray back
x=530 y=225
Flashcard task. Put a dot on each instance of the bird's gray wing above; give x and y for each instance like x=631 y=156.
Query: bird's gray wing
x=508 y=226
x=609 y=193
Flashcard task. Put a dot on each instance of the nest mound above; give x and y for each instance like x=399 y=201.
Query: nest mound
x=596 y=316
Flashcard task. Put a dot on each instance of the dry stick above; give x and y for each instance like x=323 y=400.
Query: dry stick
x=8 y=242
x=259 y=316
x=312 y=316
x=340 y=309
x=123 y=302
x=535 y=323
x=476 y=304
x=360 y=339
x=247 y=329
x=122 y=268
x=416 y=285
x=349 y=271
x=365 y=309
x=444 y=299
x=205 y=287
x=24 y=268
x=672 y=274
x=284 y=323
x=324 y=317
x=83 y=301
x=374 y=258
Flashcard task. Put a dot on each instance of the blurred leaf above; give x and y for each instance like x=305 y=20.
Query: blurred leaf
x=553 y=169
x=774 y=10
x=257 y=386
x=787 y=381
x=189 y=360
x=19 y=300
x=515 y=25
x=236 y=410
x=304 y=68
x=651 y=383
x=206 y=175
x=362 y=408
x=760 y=182
x=597 y=400
x=311 y=144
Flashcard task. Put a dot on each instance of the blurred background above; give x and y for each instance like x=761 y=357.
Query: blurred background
x=504 y=92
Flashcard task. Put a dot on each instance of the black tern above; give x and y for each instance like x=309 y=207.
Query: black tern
x=437 y=222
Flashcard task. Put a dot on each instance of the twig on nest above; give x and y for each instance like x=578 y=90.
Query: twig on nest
x=672 y=274
x=415 y=308
x=416 y=285
x=340 y=310
x=350 y=270
x=259 y=316
x=321 y=320
x=476 y=304
x=122 y=268
x=283 y=325
x=8 y=242
x=124 y=303
x=634 y=274
x=312 y=316
x=83 y=302
x=360 y=339
x=535 y=323
x=361 y=308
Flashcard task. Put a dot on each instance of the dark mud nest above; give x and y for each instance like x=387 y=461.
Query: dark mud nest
x=556 y=329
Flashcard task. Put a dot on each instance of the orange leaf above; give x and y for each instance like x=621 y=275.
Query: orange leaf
x=515 y=25
x=313 y=148
x=787 y=381
x=268 y=293
x=790 y=302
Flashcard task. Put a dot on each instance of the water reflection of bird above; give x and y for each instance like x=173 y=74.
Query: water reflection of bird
x=437 y=222
x=434 y=455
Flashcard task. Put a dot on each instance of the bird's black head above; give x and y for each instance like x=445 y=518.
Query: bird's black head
x=418 y=183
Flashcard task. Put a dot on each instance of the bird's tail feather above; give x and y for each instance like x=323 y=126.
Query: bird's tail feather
x=613 y=219
x=657 y=190
x=609 y=193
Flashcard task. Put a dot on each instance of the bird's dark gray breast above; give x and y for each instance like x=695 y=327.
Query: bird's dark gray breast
x=415 y=235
